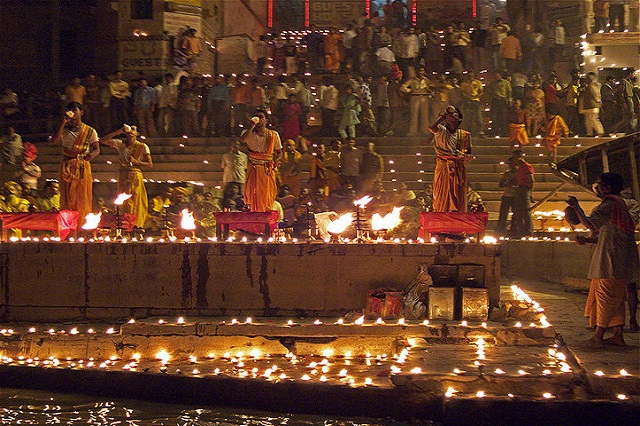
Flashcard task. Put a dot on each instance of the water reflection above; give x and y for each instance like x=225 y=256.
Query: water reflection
x=32 y=407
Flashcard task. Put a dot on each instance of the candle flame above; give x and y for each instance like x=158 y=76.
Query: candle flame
x=187 y=222
x=163 y=356
x=339 y=225
x=389 y=221
x=359 y=321
x=92 y=221
x=489 y=240
x=121 y=198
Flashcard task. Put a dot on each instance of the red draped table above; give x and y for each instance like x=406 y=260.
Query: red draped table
x=61 y=223
x=251 y=222
x=453 y=222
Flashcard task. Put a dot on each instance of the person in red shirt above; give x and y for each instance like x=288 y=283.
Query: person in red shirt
x=551 y=92
x=521 y=224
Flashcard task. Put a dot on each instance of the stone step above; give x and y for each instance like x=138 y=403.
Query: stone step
x=536 y=156
x=408 y=160
x=381 y=142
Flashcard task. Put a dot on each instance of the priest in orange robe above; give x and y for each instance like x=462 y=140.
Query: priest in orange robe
x=453 y=151
x=265 y=150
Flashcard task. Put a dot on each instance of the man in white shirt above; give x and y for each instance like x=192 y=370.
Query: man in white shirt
x=386 y=59
x=328 y=106
x=497 y=33
x=419 y=89
x=407 y=56
x=234 y=166
x=347 y=42
x=167 y=98
x=556 y=41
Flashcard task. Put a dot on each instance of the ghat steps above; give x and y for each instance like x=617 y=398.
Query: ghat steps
x=407 y=159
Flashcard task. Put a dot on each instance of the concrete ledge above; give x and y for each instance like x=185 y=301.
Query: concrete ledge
x=63 y=281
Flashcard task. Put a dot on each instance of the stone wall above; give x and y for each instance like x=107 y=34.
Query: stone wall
x=60 y=281
x=553 y=261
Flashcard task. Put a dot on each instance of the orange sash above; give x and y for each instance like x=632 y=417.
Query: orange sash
x=82 y=143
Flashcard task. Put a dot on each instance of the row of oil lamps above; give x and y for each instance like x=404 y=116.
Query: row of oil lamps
x=379 y=224
x=318 y=370
x=315 y=370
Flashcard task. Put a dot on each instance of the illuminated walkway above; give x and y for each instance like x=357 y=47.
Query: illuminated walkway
x=347 y=366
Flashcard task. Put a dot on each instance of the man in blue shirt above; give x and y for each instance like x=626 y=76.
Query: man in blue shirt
x=218 y=111
x=314 y=42
x=144 y=104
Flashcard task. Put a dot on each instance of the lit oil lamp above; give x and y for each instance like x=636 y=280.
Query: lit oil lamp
x=360 y=206
x=188 y=222
x=338 y=226
x=381 y=225
x=91 y=222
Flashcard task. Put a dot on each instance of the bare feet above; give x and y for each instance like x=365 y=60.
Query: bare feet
x=614 y=341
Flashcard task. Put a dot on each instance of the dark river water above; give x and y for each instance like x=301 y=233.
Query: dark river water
x=32 y=407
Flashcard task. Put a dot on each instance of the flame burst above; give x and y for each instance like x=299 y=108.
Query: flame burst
x=121 y=198
x=389 y=221
x=91 y=221
x=362 y=202
x=187 y=222
x=339 y=225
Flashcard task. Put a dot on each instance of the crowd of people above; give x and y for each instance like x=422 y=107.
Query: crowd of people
x=378 y=78
x=269 y=177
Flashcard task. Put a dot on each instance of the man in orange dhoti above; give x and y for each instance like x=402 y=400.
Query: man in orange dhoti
x=265 y=150
x=332 y=46
x=453 y=151
x=615 y=261
x=553 y=131
x=79 y=144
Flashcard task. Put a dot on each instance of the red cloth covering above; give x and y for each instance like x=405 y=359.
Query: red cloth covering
x=452 y=222
x=251 y=222
x=128 y=221
x=62 y=222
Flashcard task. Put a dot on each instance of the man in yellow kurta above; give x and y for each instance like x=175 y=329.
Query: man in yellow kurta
x=453 y=151
x=134 y=156
x=265 y=150
x=289 y=170
x=79 y=144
